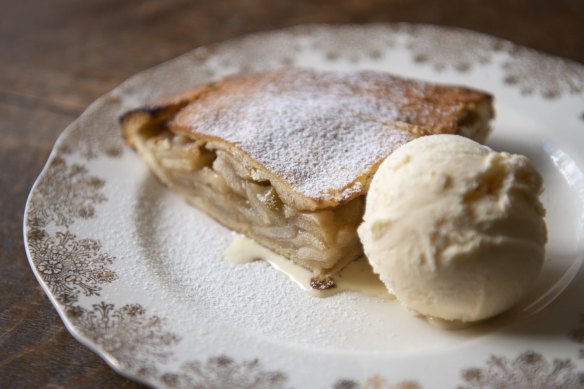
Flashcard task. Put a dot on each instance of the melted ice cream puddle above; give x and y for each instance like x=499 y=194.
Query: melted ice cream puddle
x=355 y=277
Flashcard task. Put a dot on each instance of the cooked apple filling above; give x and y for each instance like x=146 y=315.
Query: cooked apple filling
x=285 y=157
x=209 y=178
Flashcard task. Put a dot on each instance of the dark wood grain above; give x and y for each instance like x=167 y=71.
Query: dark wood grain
x=56 y=56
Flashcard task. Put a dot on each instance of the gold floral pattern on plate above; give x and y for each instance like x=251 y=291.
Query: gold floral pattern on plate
x=224 y=372
x=352 y=43
x=101 y=140
x=376 y=382
x=93 y=150
x=138 y=342
x=134 y=339
x=70 y=266
x=66 y=192
x=549 y=77
x=457 y=49
x=242 y=54
x=529 y=370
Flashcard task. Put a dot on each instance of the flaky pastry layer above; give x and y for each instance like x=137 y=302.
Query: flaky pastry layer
x=286 y=156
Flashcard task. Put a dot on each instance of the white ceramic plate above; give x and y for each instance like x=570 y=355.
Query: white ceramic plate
x=135 y=275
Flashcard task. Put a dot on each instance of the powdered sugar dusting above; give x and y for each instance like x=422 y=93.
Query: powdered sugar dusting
x=248 y=299
x=319 y=145
x=319 y=131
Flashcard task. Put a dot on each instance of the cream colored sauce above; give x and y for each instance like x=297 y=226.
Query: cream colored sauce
x=355 y=277
x=358 y=276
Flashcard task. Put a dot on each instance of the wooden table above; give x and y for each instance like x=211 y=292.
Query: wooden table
x=56 y=56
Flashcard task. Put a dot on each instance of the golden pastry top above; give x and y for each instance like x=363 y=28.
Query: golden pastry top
x=316 y=136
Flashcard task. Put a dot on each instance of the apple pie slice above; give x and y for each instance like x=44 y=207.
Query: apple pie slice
x=286 y=156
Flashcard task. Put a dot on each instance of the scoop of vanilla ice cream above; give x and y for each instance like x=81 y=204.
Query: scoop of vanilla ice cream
x=454 y=229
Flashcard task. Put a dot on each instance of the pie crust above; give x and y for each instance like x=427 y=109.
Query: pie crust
x=286 y=156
